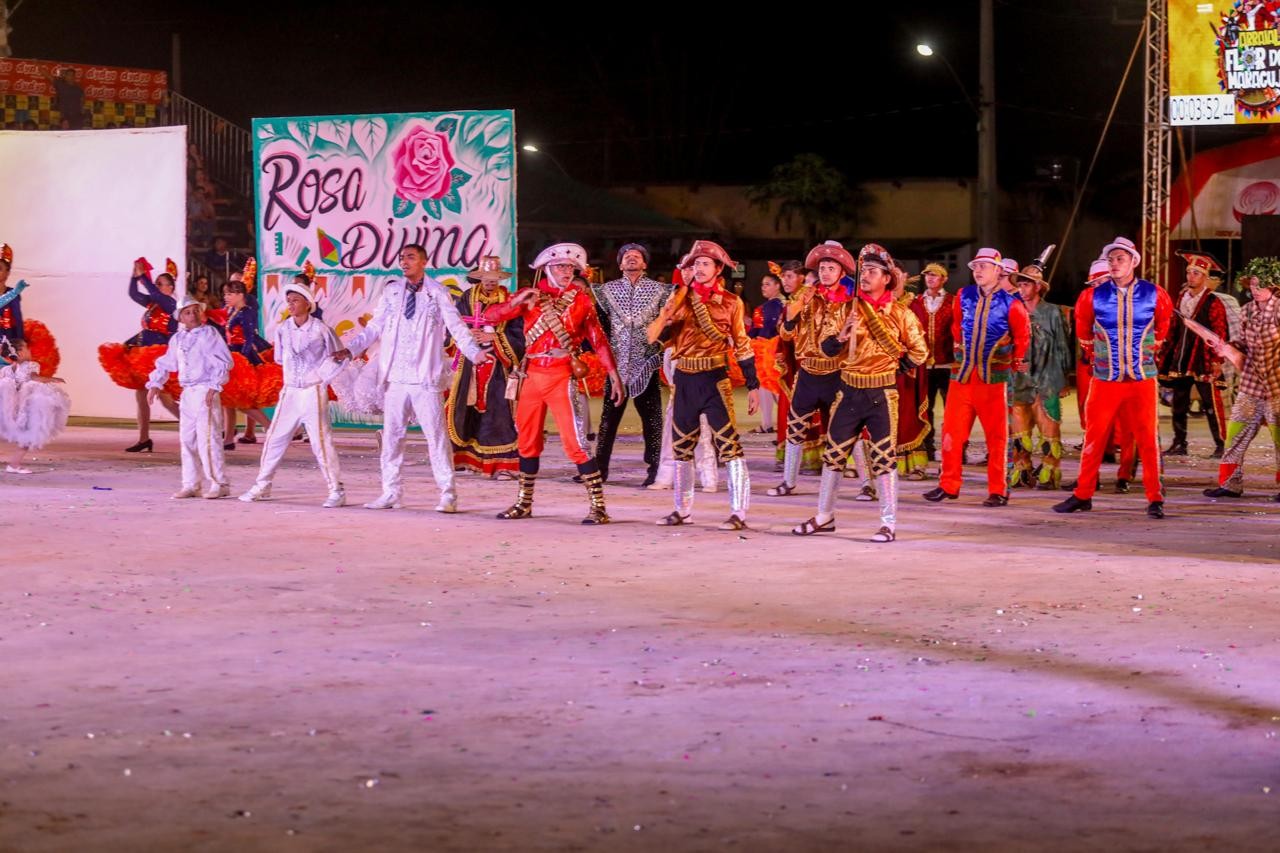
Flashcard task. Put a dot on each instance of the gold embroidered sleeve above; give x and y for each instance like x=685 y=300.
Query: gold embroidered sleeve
x=738 y=331
x=913 y=336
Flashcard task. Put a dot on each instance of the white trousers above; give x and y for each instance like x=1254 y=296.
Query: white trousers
x=428 y=406
x=200 y=434
x=768 y=408
x=309 y=407
x=704 y=454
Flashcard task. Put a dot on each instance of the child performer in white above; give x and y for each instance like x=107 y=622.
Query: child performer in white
x=412 y=319
x=33 y=409
x=304 y=346
x=200 y=356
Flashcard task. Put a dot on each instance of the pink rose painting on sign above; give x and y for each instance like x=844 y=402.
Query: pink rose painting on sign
x=424 y=171
x=421 y=164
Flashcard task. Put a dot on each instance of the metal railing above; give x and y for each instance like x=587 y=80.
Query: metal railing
x=225 y=147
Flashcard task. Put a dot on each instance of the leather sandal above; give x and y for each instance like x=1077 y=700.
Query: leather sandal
x=884 y=534
x=811 y=526
x=781 y=491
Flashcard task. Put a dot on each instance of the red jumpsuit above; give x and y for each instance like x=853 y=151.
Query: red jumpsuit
x=546 y=385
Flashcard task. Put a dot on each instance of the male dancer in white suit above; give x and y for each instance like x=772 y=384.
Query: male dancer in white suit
x=412 y=319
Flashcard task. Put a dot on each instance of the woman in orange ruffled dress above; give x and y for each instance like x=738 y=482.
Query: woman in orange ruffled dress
x=255 y=379
x=130 y=363
x=44 y=349
x=764 y=342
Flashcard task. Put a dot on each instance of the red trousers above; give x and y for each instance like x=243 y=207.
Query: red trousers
x=1121 y=435
x=1130 y=407
x=988 y=403
x=1084 y=376
x=547 y=387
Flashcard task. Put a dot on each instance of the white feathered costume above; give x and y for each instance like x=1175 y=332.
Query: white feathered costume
x=32 y=413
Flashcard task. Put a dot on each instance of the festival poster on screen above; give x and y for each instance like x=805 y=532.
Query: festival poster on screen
x=348 y=192
x=1224 y=62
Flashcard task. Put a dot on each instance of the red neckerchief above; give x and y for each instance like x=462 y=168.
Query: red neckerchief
x=548 y=286
x=706 y=291
x=835 y=293
x=885 y=298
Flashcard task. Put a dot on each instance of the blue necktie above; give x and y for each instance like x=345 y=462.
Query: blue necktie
x=411 y=300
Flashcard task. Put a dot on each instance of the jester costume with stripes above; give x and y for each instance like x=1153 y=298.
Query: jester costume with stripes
x=1257 y=402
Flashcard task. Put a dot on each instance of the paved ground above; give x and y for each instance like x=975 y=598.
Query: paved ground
x=203 y=675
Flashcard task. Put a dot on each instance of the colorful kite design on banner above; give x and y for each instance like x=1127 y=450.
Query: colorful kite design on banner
x=330 y=249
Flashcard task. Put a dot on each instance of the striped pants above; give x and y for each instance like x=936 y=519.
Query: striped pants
x=1248 y=414
x=310 y=408
x=200 y=434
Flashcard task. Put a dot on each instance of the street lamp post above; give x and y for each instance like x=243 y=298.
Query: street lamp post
x=987 y=192
x=531 y=148
x=985 y=109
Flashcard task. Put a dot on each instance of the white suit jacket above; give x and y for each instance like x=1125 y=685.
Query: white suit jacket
x=443 y=317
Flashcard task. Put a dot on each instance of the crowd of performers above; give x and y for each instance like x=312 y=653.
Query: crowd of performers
x=841 y=359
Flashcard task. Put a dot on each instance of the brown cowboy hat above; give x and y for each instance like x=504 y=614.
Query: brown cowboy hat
x=489 y=267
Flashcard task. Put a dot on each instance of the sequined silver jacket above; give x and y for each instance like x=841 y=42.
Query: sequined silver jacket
x=630 y=309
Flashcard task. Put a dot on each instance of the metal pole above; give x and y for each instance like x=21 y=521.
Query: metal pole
x=987 y=191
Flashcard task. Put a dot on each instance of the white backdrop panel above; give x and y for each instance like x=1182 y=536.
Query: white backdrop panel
x=77 y=207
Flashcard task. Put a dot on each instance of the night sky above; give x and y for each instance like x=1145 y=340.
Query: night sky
x=657 y=93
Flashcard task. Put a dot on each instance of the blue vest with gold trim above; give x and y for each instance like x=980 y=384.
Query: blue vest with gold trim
x=1124 y=336
x=985 y=348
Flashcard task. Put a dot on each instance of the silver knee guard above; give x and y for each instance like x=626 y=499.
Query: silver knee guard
x=829 y=490
x=887 y=486
x=682 y=484
x=739 y=487
x=792 y=455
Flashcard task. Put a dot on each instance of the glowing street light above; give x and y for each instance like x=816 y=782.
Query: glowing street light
x=984 y=108
x=530 y=148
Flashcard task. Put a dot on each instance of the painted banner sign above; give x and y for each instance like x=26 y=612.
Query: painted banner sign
x=348 y=192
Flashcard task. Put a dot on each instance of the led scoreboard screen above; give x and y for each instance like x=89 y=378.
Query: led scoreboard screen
x=1224 y=62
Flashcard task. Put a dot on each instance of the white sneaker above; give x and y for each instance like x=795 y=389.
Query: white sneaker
x=257 y=493
x=185 y=492
x=387 y=500
x=659 y=486
x=448 y=503
x=335 y=500
x=16 y=469
x=218 y=491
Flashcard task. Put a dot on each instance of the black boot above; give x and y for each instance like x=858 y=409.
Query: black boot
x=1074 y=504
x=1222 y=492
x=523 y=507
x=651 y=477
x=593 y=478
x=1178 y=448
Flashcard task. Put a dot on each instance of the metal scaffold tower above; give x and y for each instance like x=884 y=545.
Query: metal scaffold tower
x=1156 y=138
